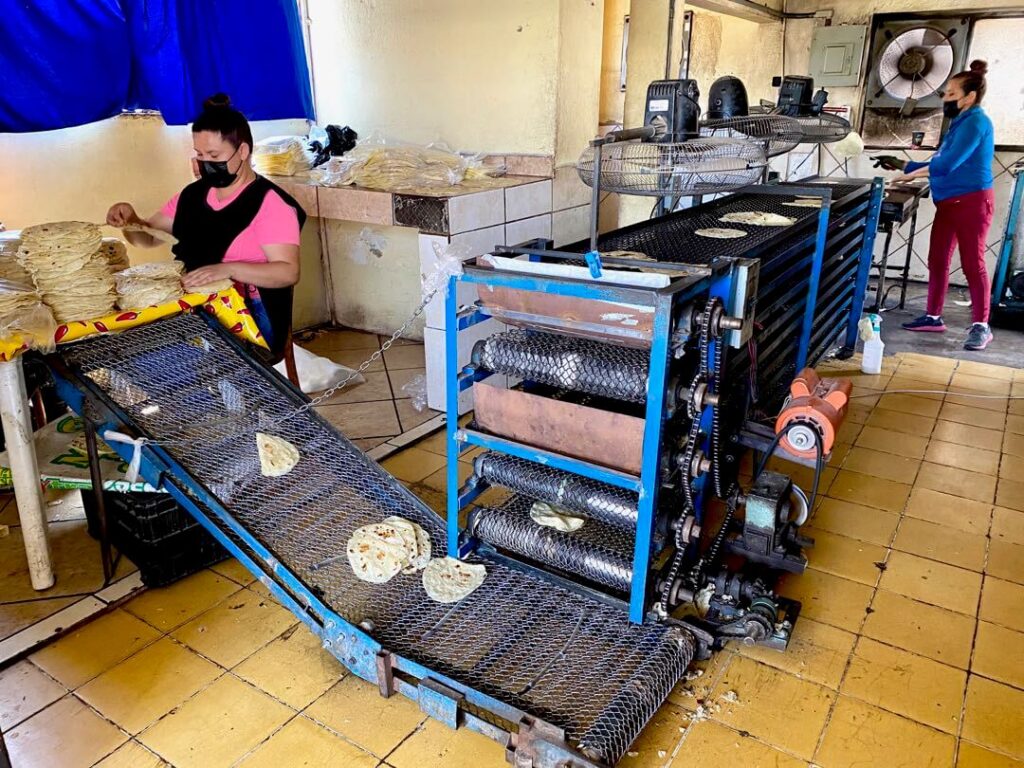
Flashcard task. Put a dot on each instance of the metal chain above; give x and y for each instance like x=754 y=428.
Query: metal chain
x=689 y=450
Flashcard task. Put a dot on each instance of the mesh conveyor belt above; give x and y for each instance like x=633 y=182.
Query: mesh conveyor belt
x=581 y=365
x=576 y=663
x=671 y=239
x=591 y=498
x=598 y=553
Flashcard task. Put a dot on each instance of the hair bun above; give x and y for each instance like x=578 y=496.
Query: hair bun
x=217 y=101
x=979 y=66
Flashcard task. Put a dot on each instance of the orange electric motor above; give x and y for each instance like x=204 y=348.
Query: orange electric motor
x=816 y=407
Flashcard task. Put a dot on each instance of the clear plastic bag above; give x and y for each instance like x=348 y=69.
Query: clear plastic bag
x=416 y=390
x=317 y=373
x=377 y=163
x=450 y=259
x=281 y=156
x=25 y=314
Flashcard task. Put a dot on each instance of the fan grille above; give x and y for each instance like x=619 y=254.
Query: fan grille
x=698 y=167
x=915 y=63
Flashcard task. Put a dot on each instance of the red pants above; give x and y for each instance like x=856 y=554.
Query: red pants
x=963 y=221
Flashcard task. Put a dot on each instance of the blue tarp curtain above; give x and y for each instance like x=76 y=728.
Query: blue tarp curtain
x=70 y=62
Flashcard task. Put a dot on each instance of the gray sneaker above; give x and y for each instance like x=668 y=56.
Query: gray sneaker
x=978 y=337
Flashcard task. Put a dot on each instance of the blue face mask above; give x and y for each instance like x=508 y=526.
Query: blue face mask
x=216 y=173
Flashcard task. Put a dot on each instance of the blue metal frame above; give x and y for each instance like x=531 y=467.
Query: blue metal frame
x=717 y=282
x=867 y=253
x=803 y=346
x=1006 y=248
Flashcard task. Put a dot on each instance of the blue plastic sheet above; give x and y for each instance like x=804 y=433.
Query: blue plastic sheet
x=62 y=63
x=70 y=62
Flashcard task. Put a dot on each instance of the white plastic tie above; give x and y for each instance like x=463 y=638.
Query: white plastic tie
x=136 y=442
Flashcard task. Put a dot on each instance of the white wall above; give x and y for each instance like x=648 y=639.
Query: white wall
x=725 y=45
x=477 y=74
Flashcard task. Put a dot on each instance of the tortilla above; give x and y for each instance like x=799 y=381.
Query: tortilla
x=215 y=287
x=417 y=543
x=548 y=515
x=757 y=219
x=277 y=456
x=422 y=558
x=377 y=553
x=154 y=270
x=447 y=580
x=156 y=234
x=804 y=202
x=720 y=233
x=407 y=532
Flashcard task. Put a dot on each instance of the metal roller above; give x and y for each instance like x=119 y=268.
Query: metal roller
x=588 y=498
x=581 y=365
x=514 y=531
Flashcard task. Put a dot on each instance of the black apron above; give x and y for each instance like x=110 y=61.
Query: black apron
x=204 y=236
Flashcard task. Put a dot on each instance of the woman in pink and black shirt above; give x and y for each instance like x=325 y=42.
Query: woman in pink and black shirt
x=231 y=223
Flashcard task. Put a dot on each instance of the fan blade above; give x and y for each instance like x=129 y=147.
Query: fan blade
x=885 y=85
x=932 y=37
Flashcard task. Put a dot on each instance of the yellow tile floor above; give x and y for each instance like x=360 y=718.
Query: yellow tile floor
x=909 y=652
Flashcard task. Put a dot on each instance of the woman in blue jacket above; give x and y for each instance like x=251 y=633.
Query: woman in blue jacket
x=960 y=175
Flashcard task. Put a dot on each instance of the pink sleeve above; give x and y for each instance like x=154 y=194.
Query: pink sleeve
x=170 y=207
x=276 y=223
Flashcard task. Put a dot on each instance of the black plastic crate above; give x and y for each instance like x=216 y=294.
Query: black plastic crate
x=148 y=517
x=155 y=533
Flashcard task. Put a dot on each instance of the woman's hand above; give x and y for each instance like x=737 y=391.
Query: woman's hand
x=920 y=173
x=206 y=275
x=121 y=214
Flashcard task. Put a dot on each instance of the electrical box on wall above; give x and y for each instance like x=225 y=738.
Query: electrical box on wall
x=837 y=53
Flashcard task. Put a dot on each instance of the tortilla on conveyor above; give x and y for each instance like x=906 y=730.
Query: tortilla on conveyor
x=417 y=543
x=550 y=516
x=804 y=202
x=377 y=553
x=720 y=233
x=278 y=457
x=447 y=580
x=757 y=219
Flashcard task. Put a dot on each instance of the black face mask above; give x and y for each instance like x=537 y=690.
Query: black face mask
x=216 y=173
x=951 y=109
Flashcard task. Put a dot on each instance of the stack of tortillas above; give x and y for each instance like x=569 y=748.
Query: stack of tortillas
x=70 y=273
x=148 y=285
x=13 y=272
x=379 y=552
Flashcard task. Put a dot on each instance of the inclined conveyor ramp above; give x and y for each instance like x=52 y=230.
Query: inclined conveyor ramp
x=560 y=677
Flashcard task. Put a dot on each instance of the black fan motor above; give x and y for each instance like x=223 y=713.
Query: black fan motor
x=675 y=102
x=727 y=98
x=797 y=97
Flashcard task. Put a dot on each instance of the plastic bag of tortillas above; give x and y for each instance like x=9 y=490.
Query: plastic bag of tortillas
x=318 y=373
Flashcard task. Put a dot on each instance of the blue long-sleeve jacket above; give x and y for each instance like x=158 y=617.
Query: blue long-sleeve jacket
x=963 y=163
